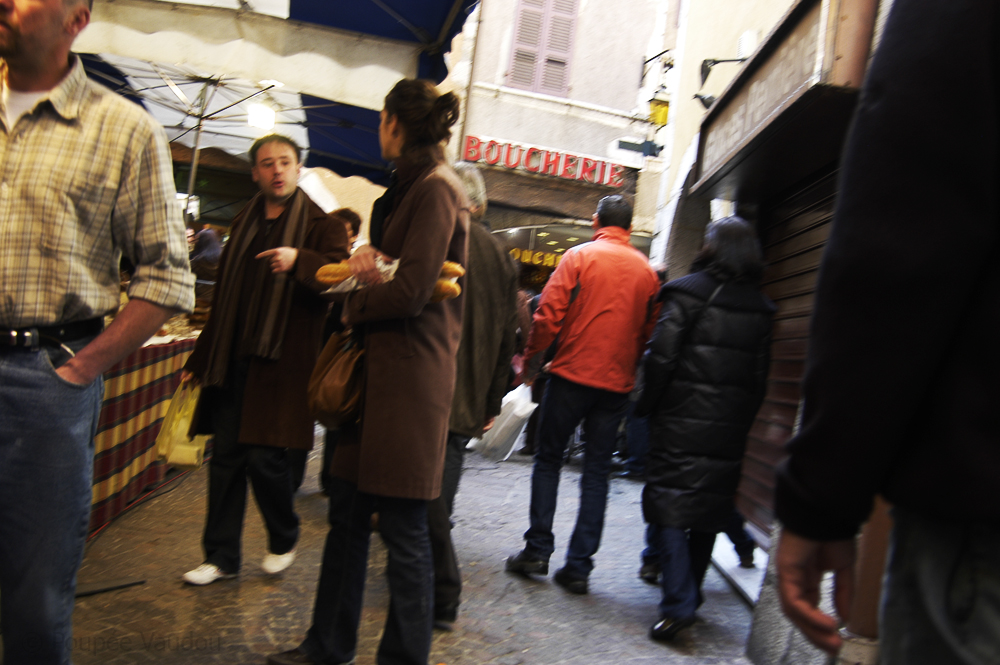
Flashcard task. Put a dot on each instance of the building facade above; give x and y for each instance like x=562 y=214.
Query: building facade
x=557 y=115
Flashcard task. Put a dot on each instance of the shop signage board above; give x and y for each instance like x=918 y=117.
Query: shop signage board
x=544 y=259
x=820 y=46
x=543 y=161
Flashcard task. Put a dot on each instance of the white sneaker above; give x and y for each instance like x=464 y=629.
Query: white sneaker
x=275 y=563
x=206 y=573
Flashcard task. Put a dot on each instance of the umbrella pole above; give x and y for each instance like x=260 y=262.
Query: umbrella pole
x=194 y=154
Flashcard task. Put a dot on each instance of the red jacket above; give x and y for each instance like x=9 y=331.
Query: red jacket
x=601 y=302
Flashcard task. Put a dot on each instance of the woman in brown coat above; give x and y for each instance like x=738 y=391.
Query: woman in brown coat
x=393 y=464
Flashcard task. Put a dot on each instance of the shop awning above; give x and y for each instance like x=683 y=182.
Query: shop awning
x=324 y=66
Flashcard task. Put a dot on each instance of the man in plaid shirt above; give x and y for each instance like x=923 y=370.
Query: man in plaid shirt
x=85 y=177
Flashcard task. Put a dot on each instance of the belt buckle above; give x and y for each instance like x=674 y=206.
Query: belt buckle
x=32 y=338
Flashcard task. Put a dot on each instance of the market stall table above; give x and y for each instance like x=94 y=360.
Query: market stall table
x=137 y=392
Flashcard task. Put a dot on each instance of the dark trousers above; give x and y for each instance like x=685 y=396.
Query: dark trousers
x=738 y=536
x=447 y=576
x=637 y=439
x=232 y=463
x=564 y=405
x=332 y=639
x=684 y=556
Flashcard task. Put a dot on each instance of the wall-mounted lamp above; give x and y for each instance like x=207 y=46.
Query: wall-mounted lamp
x=706 y=66
x=706 y=100
x=659 y=107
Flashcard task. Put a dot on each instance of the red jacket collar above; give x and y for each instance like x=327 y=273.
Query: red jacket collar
x=614 y=234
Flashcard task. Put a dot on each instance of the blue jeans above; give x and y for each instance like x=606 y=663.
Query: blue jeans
x=941 y=601
x=564 y=405
x=333 y=637
x=684 y=556
x=47 y=428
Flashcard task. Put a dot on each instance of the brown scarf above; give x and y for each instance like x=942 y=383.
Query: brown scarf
x=264 y=329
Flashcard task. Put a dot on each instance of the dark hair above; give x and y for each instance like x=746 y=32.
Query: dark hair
x=425 y=115
x=273 y=138
x=349 y=217
x=731 y=251
x=614 y=210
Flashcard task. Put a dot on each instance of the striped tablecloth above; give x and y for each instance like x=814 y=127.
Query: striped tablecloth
x=137 y=392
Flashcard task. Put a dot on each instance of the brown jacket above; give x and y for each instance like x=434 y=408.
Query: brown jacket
x=275 y=410
x=410 y=345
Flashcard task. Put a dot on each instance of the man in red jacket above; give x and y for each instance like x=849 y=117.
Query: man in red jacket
x=599 y=307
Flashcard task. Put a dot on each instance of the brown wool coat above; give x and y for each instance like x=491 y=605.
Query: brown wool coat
x=410 y=345
x=275 y=410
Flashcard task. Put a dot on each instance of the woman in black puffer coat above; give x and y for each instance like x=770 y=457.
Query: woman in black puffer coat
x=705 y=379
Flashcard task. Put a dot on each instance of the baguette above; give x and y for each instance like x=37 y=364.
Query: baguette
x=333 y=273
x=450 y=270
x=445 y=289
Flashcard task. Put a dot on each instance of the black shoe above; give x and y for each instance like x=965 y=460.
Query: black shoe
x=666 y=629
x=746 y=560
x=577 y=585
x=293 y=657
x=650 y=573
x=525 y=564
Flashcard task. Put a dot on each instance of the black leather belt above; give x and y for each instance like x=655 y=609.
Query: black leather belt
x=34 y=336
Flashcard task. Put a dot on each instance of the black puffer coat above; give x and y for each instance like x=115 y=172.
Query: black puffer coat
x=704 y=385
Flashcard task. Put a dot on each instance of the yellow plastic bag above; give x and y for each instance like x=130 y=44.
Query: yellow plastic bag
x=172 y=443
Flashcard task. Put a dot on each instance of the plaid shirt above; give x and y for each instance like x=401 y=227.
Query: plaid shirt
x=85 y=177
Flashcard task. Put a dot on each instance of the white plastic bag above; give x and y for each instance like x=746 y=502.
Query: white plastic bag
x=498 y=443
x=386 y=268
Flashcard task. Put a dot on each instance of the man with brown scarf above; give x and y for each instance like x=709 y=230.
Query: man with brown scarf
x=255 y=356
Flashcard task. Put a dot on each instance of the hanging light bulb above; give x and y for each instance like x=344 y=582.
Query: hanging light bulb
x=261 y=116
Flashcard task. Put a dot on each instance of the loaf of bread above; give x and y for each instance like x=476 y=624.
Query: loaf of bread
x=333 y=273
x=445 y=289
x=450 y=270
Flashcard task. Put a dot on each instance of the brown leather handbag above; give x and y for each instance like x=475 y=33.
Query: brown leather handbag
x=337 y=382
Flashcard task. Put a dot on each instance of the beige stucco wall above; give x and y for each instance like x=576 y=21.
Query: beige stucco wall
x=712 y=30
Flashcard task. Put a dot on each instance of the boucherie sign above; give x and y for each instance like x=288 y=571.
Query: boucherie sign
x=543 y=161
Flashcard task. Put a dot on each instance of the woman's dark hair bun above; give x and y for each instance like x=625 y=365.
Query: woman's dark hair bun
x=443 y=115
x=426 y=116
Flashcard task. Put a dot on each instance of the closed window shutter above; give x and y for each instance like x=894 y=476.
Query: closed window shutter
x=543 y=42
x=527 y=44
x=558 y=47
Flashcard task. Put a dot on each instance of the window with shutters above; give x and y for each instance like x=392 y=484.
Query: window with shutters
x=543 y=44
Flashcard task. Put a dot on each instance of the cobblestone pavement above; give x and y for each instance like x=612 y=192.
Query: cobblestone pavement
x=504 y=619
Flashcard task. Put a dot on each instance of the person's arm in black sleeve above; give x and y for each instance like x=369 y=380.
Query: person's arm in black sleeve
x=661 y=357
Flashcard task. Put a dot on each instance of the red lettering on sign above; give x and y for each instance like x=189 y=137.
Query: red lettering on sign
x=492 y=152
x=617 y=175
x=472 y=151
x=569 y=167
x=532 y=165
x=587 y=168
x=551 y=164
x=507 y=161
